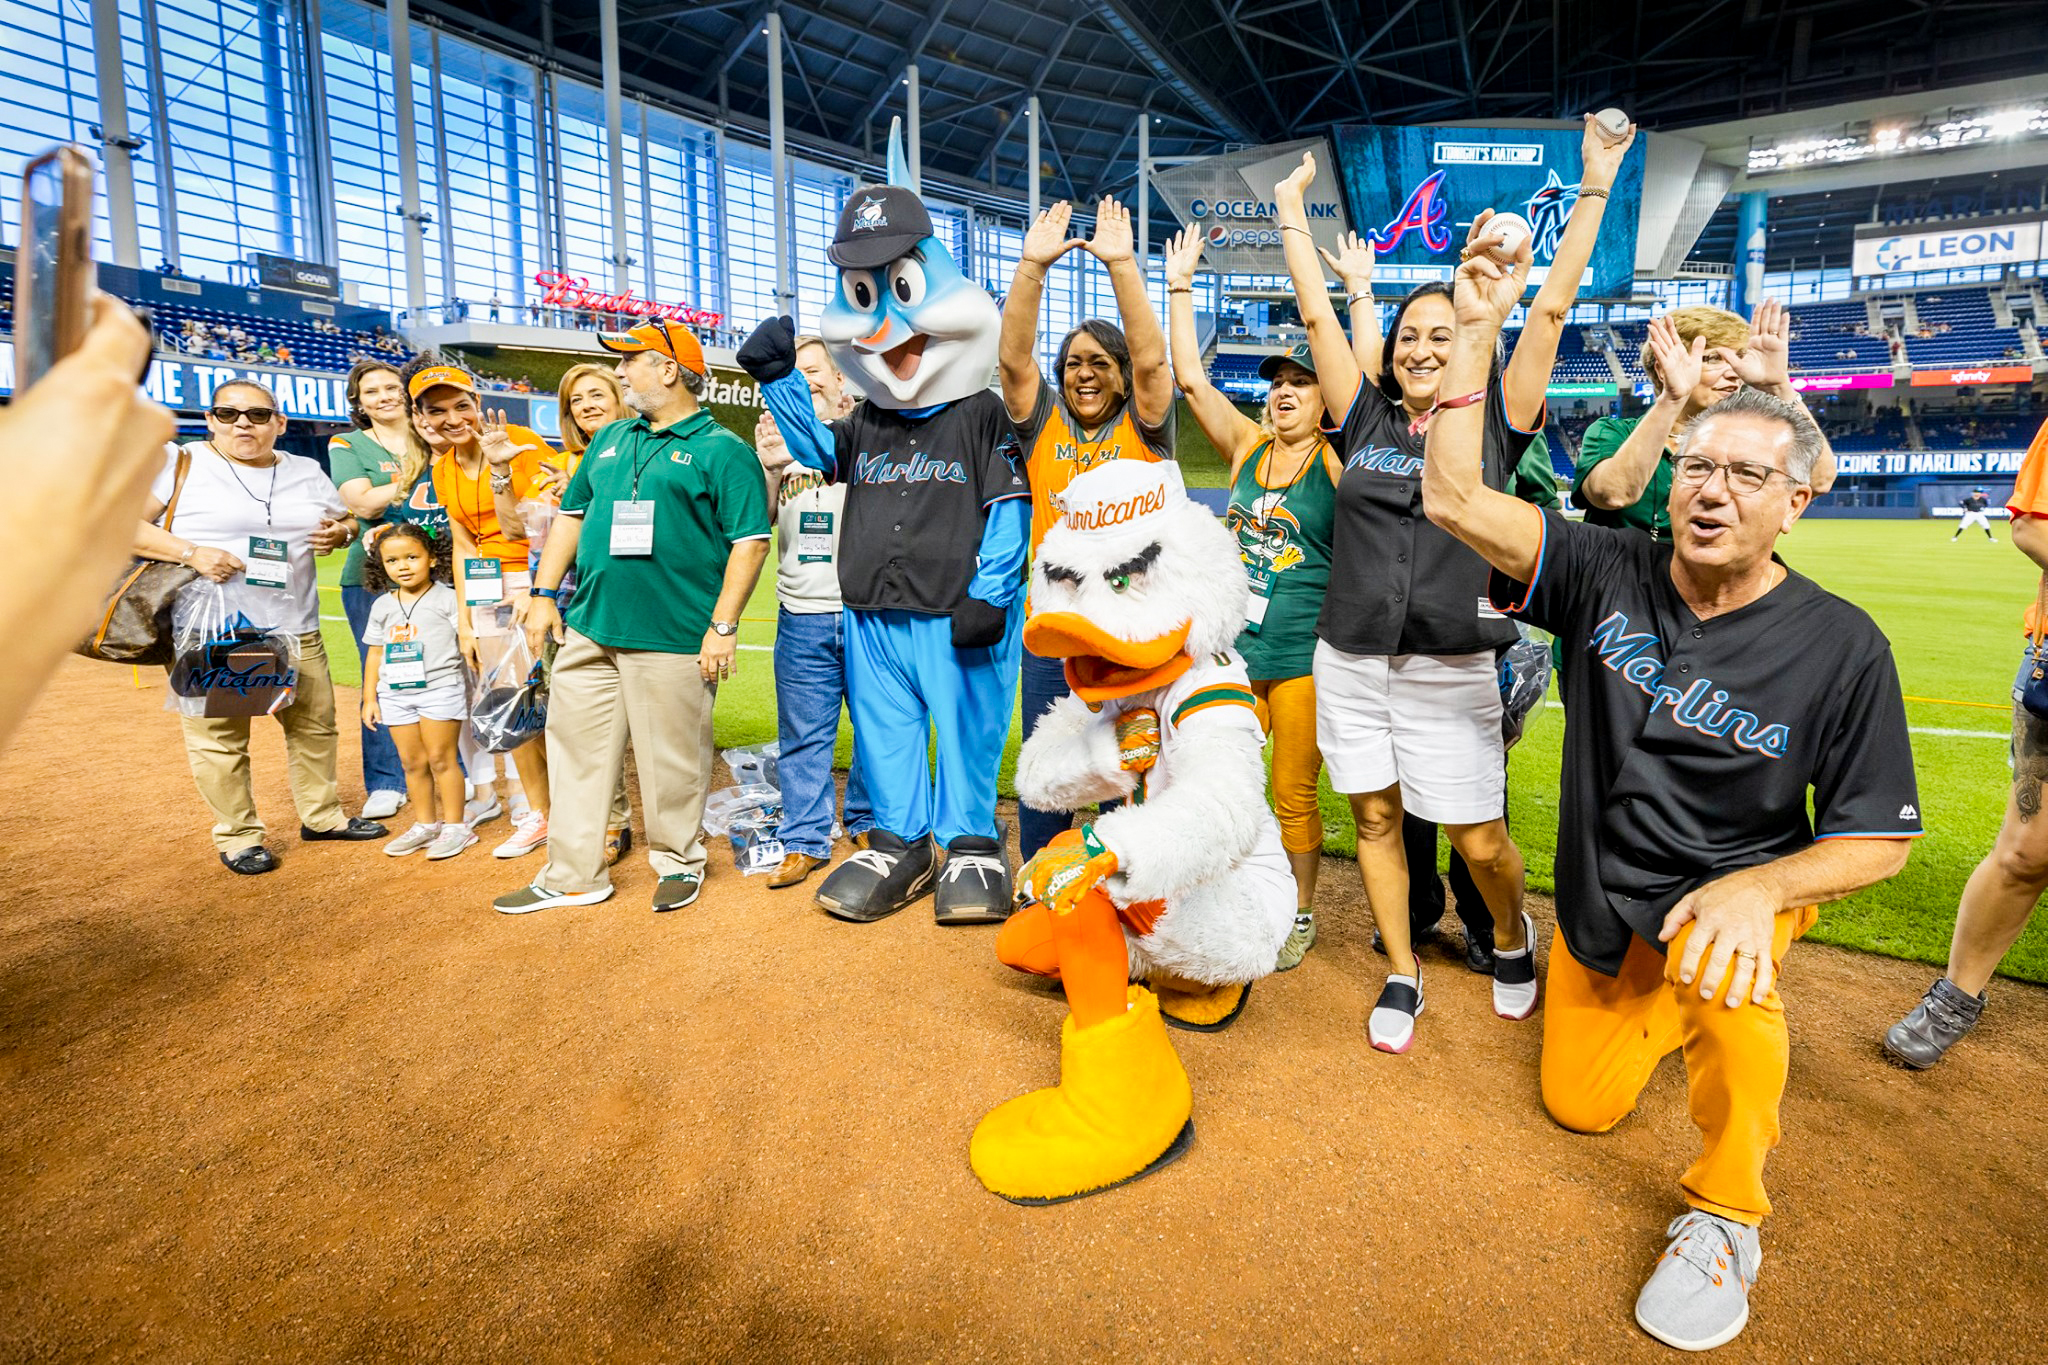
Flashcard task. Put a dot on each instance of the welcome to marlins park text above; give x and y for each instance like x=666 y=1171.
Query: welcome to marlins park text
x=1932 y=462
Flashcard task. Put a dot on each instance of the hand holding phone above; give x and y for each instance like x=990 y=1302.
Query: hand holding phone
x=53 y=270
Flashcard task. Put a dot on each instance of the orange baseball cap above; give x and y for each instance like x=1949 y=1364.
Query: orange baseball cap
x=440 y=377
x=671 y=339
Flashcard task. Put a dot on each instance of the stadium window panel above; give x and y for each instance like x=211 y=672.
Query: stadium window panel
x=487 y=115
x=815 y=201
x=750 y=241
x=586 y=185
x=363 y=132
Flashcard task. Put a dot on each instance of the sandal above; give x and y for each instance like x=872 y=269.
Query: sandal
x=616 y=843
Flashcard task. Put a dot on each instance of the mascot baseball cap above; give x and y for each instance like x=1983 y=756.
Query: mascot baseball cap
x=440 y=377
x=1110 y=497
x=1300 y=355
x=878 y=224
x=671 y=339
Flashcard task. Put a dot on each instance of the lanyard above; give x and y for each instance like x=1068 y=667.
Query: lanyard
x=641 y=468
x=269 y=497
x=405 y=611
x=1273 y=448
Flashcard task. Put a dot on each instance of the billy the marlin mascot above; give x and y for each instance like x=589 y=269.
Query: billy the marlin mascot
x=931 y=556
x=1185 y=887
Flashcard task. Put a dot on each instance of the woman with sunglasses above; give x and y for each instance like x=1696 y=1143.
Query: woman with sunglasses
x=378 y=466
x=240 y=500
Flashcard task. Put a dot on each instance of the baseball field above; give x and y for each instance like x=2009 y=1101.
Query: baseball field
x=1951 y=611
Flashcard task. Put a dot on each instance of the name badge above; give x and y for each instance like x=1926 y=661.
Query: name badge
x=1261 y=576
x=483 y=581
x=633 y=528
x=405 y=667
x=268 y=563
x=814 y=537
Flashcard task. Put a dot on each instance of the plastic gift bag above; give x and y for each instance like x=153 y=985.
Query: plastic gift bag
x=756 y=847
x=727 y=804
x=226 y=661
x=756 y=763
x=1524 y=682
x=508 y=700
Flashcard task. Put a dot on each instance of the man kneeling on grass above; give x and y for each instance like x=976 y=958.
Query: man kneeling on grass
x=666 y=524
x=1707 y=687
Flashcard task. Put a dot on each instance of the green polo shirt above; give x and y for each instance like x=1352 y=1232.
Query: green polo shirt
x=707 y=492
x=1651 y=513
x=1535 y=481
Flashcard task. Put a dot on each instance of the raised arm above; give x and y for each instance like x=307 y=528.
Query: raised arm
x=1230 y=431
x=769 y=355
x=1353 y=265
x=1507 y=532
x=1017 y=354
x=1151 y=380
x=1336 y=368
x=1767 y=364
x=1619 y=480
x=1528 y=372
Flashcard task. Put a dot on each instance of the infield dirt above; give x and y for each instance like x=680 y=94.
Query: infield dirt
x=344 y=1111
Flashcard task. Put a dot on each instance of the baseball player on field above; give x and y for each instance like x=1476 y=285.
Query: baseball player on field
x=1975 y=513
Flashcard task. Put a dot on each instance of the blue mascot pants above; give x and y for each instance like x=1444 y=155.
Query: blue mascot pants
x=904 y=680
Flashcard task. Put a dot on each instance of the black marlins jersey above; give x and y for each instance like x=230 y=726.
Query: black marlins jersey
x=1689 y=744
x=918 y=490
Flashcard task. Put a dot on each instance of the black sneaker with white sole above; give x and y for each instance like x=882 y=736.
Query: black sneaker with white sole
x=974 y=885
x=880 y=879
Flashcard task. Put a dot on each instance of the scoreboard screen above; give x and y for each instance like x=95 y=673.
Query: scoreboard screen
x=1416 y=190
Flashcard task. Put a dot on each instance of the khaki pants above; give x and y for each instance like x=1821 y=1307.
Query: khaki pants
x=598 y=697
x=218 y=750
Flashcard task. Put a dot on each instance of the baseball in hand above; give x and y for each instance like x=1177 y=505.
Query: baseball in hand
x=1502 y=237
x=1613 y=125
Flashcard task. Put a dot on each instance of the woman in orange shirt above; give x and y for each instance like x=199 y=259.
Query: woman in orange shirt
x=483 y=470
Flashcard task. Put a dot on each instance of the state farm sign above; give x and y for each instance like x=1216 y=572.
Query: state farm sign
x=1981 y=374
x=573 y=291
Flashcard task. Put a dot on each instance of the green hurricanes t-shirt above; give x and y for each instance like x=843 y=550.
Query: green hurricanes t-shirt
x=706 y=492
x=356 y=455
x=1651 y=513
x=1535 y=481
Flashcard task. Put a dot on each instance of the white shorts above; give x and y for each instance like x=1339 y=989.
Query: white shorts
x=409 y=707
x=1429 y=724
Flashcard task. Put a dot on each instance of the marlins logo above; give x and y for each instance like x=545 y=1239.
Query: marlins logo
x=1265 y=533
x=869 y=215
x=1546 y=211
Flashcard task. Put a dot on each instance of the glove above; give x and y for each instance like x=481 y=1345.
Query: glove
x=1137 y=740
x=1060 y=874
x=770 y=351
x=978 y=624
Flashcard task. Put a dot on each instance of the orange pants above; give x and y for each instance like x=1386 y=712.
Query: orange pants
x=1288 y=710
x=1604 y=1035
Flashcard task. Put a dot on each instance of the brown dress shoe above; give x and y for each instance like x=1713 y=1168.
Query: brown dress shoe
x=795 y=867
x=859 y=840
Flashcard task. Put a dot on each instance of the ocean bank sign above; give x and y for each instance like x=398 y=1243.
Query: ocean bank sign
x=1228 y=200
x=1952 y=247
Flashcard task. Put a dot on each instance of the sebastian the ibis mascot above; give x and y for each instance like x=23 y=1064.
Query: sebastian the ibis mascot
x=931 y=559
x=1184 y=888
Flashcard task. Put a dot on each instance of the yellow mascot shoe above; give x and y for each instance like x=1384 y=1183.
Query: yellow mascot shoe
x=1119 y=1112
x=1200 y=1008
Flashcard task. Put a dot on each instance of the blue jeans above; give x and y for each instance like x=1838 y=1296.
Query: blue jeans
x=382 y=772
x=1044 y=682
x=810 y=683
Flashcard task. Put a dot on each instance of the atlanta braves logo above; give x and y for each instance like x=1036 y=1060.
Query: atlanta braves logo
x=1546 y=211
x=1424 y=213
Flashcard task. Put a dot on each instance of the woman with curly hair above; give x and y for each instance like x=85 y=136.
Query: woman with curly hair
x=412 y=681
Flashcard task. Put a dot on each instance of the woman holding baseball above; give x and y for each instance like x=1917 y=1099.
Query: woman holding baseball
x=1408 y=709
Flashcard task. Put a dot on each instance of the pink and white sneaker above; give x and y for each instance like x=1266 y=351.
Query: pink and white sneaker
x=529 y=832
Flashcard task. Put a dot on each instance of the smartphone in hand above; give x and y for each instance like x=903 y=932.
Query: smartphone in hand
x=53 y=268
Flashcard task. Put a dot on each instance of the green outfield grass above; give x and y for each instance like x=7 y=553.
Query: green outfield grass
x=1951 y=611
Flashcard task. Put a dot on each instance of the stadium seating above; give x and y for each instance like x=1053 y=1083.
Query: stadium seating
x=1580 y=362
x=1886 y=431
x=1833 y=337
x=1978 y=430
x=1973 y=336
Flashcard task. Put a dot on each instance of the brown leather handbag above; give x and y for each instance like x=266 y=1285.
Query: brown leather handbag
x=136 y=627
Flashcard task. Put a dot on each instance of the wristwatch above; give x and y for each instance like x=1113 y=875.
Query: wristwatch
x=725 y=627
x=500 y=483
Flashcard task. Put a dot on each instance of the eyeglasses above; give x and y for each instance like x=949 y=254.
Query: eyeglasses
x=258 y=417
x=1744 y=476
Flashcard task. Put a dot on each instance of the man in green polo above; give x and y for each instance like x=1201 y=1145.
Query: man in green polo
x=666 y=523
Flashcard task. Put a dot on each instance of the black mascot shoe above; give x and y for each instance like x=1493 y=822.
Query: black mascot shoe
x=974 y=888
x=880 y=879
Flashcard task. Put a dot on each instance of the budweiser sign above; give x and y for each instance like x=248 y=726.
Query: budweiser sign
x=573 y=291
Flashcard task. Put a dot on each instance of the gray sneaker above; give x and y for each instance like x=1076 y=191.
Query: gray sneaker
x=1299 y=941
x=528 y=899
x=676 y=891
x=1698 y=1296
x=1936 y=1024
x=413 y=840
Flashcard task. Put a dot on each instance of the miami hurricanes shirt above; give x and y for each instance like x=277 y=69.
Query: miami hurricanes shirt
x=1690 y=745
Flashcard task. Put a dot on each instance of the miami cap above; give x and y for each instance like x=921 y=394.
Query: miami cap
x=1300 y=355
x=1110 y=498
x=663 y=337
x=440 y=377
x=878 y=224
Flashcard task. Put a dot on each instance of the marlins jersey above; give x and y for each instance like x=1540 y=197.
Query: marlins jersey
x=1058 y=448
x=1690 y=745
x=1399 y=583
x=918 y=489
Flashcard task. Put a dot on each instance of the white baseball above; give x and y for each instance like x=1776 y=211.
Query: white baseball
x=1613 y=125
x=1503 y=236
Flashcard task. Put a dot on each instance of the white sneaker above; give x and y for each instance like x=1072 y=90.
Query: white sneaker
x=382 y=805
x=451 y=841
x=1391 y=1026
x=1698 y=1296
x=1514 y=976
x=482 y=808
x=529 y=832
x=413 y=840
